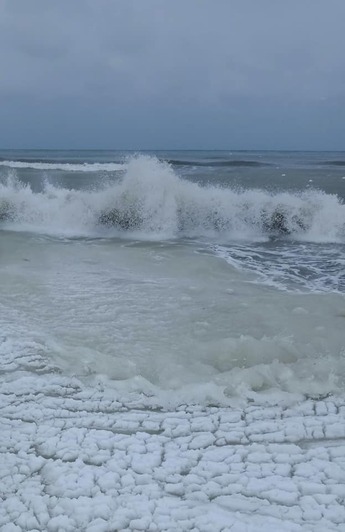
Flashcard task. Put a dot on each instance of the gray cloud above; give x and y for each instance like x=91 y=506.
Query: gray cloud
x=181 y=65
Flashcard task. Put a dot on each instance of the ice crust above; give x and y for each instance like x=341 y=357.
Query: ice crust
x=82 y=457
x=75 y=458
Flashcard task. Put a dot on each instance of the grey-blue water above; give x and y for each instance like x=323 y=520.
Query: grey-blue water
x=206 y=274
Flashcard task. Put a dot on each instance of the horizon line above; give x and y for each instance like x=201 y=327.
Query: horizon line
x=176 y=149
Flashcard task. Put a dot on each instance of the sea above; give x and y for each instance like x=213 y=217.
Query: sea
x=190 y=277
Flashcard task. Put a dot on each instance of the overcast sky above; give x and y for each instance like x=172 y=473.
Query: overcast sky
x=141 y=74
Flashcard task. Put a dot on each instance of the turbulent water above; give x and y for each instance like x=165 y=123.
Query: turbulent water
x=188 y=276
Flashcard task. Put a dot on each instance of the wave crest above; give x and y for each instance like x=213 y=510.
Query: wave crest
x=67 y=167
x=152 y=201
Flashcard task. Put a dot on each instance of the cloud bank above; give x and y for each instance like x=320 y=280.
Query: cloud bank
x=157 y=74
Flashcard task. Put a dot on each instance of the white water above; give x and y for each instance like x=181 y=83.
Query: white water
x=67 y=167
x=153 y=202
x=289 y=265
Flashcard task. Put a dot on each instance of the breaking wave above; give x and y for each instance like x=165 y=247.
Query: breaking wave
x=67 y=167
x=151 y=201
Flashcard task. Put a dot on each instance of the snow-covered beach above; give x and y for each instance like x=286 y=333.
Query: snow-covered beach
x=76 y=458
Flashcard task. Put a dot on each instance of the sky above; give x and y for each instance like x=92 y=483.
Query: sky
x=178 y=74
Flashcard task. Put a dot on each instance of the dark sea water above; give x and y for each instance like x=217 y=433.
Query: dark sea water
x=190 y=274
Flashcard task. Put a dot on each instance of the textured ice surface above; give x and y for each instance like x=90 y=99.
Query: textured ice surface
x=76 y=457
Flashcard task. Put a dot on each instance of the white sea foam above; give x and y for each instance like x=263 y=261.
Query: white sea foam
x=67 y=167
x=151 y=201
x=290 y=265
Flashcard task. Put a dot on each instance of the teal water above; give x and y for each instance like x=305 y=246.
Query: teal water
x=206 y=274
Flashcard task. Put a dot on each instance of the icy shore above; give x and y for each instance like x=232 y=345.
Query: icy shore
x=74 y=458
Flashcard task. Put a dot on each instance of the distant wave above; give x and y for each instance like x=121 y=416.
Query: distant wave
x=335 y=163
x=228 y=163
x=67 y=167
x=151 y=201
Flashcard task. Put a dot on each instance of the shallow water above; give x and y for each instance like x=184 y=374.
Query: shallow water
x=197 y=299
